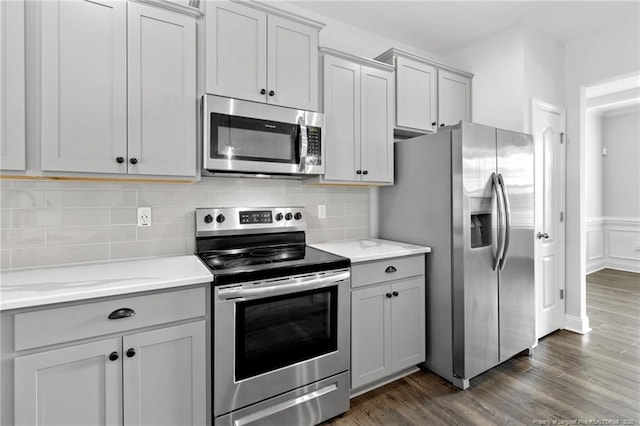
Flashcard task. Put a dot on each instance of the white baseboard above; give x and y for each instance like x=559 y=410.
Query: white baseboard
x=622 y=265
x=578 y=325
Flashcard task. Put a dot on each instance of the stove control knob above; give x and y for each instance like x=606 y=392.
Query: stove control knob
x=220 y=218
x=288 y=216
x=208 y=219
x=298 y=216
x=278 y=216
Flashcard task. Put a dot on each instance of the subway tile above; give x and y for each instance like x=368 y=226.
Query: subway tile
x=333 y=210
x=163 y=231
x=49 y=256
x=22 y=198
x=29 y=218
x=171 y=198
x=324 y=235
x=5 y=183
x=344 y=222
x=5 y=259
x=172 y=214
x=359 y=209
x=90 y=198
x=163 y=186
x=57 y=184
x=5 y=218
x=70 y=235
x=141 y=249
x=124 y=215
x=21 y=238
x=356 y=233
x=271 y=185
x=225 y=184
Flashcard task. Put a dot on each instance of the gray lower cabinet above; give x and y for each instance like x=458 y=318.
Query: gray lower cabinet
x=387 y=319
x=150 y=376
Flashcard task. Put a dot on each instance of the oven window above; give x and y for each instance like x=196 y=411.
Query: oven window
x=278 y=331
x=249 y=139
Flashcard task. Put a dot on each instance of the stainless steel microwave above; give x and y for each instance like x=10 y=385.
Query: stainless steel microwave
x=249 y=137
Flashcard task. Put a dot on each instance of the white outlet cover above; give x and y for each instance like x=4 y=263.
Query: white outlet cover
x=144 y=216
x=322 y=211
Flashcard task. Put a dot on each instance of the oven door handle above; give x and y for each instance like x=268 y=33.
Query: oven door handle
x=239 y=294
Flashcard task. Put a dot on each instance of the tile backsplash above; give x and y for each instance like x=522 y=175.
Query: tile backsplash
x=48 y=223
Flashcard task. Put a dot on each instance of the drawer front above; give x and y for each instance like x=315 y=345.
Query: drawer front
x=58 y=325
x=386 y=270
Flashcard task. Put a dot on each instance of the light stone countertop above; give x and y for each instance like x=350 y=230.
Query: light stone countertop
x=43 y=286
x=364 y=250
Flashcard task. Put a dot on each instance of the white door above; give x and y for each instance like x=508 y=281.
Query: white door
x=165 y=376
x=84 y=86
x=236 y=51
x=454 y=98
x=12 y=86
x=75 y=386
x=548 y=125
x=376 y=141
x=416 y=95
x=162 y=92
x=408 y=323
x=292 y=76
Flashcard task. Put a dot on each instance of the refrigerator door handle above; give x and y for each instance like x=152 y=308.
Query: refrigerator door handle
x=507 y=216
x=495 y=186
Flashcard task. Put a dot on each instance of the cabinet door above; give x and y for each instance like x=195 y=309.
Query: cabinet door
x=408 y=323
x=165 y=379
x=12 y=86
x=77 y=385
x=236 y=51
x=454 y=98
x=376 y=141
x=292 y=74
x=342 y=119
x=370 y=335
x=83 y=85
x=416 y=95
x=162 y=92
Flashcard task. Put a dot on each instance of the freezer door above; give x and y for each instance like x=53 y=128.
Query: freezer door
x=475 y=283
x=515 y=279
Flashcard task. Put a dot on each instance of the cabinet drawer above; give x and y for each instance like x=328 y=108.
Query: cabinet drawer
x=386 y=270
x=58 y=325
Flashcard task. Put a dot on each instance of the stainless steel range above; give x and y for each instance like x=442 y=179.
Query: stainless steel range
x=281 y=318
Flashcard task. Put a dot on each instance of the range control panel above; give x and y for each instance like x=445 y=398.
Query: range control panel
x=239 y=220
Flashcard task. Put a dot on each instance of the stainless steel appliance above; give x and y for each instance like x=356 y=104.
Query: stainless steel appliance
x=281 y=318
x=467 y=191
x=249 y=137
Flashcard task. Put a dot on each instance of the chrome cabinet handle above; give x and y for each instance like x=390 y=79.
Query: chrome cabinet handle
x=390 y=269
x=542 y=235
x=121 y=313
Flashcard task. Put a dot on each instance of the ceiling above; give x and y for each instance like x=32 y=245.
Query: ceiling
x=444 y=27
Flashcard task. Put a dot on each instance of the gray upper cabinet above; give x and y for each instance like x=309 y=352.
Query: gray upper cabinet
x=12 y=86
x=429 y=94
x=258 y=53
x=358 y=104
x=118 y=88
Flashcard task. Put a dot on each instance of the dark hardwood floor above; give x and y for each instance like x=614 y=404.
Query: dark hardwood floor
x=571 y=378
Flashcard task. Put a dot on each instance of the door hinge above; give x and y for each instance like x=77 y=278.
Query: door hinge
x=563 y=137
x=561 y=216
x=561 y=294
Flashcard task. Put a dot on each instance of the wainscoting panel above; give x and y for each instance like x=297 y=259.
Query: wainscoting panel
x=595 y=245
x=614 y=243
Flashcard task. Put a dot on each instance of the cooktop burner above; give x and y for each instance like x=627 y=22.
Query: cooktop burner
x=252 y=256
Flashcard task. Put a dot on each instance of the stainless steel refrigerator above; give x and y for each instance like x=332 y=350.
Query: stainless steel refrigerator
x=467 y=192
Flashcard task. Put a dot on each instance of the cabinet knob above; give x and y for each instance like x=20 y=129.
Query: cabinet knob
x=121 y=313
x=395 y=294
x=434 y=124
x=272 y=93
x=133 y=160
x=389 y=296
x=390 y=269
x=365 y=172
x=358 y=172
x=263 y=91
x=119 y=160
x=113 y=356
x=441 y=124
x=131 y=352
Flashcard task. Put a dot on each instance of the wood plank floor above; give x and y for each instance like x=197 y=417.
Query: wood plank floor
x=589 y=379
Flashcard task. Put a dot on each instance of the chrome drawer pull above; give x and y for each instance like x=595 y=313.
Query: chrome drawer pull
x=121 y=313
x=390 y=269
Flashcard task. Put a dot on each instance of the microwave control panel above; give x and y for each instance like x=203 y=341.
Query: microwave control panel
x=313 y=145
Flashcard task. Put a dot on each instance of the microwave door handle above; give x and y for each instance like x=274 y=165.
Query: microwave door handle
x=303 y=144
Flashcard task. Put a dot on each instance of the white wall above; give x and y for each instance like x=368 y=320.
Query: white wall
x=593 y=166
x=589 y=60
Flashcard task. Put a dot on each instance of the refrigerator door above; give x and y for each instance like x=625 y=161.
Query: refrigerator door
x=516 y=280
x=475 y=283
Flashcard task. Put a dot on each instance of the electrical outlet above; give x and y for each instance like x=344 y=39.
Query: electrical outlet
x=322 y=211
x=144 y=216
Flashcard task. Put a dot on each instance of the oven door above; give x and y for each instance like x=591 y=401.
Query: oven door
x=249 y=137
x=274 y=336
